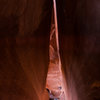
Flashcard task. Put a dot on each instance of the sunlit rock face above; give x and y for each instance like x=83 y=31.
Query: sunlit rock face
x=54 y=74
x=79 y=36
x=24 y=49
x=54 y=82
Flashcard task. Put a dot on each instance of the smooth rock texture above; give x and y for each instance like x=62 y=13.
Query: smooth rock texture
x=79 y=37
x=24 y=48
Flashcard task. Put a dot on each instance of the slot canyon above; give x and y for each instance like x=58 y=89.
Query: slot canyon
x=49 y=52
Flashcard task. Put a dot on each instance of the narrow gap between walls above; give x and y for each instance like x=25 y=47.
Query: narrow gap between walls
x=54 y=84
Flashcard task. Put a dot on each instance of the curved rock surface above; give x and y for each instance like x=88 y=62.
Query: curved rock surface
x=24 y=48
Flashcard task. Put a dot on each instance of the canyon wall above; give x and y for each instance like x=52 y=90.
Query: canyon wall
x=79 y=36
x=24 y=49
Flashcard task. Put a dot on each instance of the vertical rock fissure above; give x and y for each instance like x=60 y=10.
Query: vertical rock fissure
x=54 y=78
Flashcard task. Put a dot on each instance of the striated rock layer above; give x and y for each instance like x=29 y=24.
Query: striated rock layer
x=24 y=48
x=79 y=37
